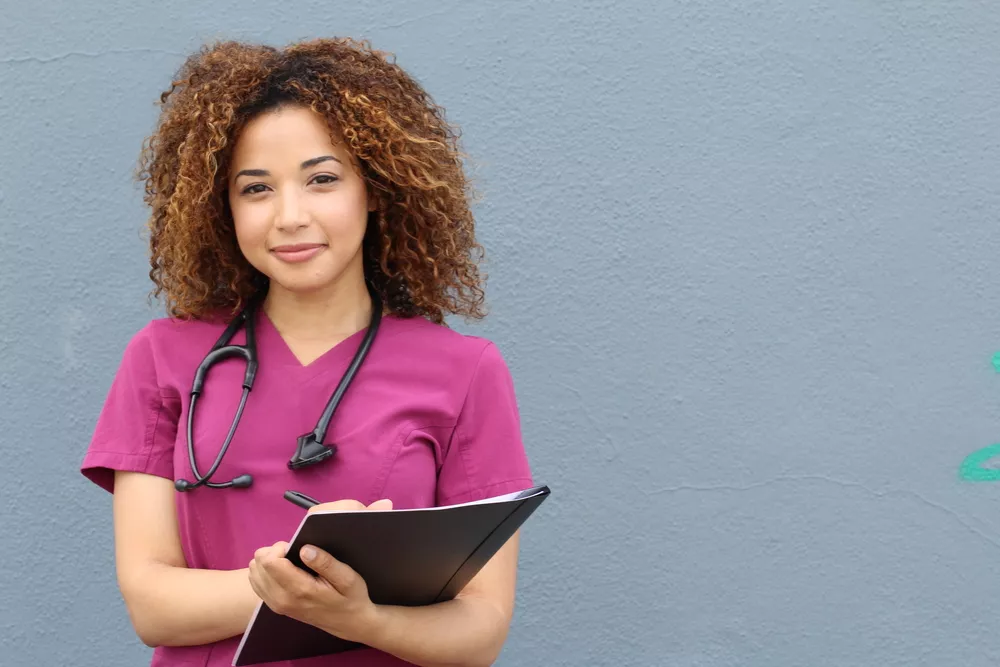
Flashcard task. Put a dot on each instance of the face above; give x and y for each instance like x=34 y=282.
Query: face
x=299 y=203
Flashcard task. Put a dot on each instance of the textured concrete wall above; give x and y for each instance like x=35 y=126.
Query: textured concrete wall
x=744 y=268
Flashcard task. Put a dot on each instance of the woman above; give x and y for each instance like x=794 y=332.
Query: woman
x=316 y=184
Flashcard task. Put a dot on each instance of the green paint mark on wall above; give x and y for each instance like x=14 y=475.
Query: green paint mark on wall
x=972 y=469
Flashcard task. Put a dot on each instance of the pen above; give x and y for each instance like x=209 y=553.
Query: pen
x=300 y=499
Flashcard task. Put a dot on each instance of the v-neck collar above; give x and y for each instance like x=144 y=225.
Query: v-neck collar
x=271 y=342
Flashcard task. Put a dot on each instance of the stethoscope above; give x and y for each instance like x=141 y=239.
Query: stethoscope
x=310 y=449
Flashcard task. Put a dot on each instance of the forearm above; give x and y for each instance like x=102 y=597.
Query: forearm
x=464 y=632
x=176 y=606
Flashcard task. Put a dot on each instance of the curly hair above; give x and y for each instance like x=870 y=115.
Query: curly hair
x=420 y=250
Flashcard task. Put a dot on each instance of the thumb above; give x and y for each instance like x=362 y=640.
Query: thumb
x=383 y=504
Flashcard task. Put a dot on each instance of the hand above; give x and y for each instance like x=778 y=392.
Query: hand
x=335 y=600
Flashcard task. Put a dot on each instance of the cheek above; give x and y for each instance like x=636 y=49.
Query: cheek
x=345 y=218
x=251 y=229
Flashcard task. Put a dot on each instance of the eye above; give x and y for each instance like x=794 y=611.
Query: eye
x=329 y=178
x=249 y=190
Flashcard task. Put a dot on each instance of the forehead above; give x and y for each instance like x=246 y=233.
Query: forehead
x=287 y=134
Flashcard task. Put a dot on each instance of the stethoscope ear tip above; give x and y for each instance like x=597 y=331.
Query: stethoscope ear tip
x=243 y=481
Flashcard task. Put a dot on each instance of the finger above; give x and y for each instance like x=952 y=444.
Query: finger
x=382 y=504
x=257 y=572
x=255 y=580
x=282 y=573
x=340 y=575
x=276 y=550
x=260 y=582
x=338 y=505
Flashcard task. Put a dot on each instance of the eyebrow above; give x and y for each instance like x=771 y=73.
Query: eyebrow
x=305 y=165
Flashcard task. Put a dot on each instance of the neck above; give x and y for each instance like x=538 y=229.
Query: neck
x=336 y=313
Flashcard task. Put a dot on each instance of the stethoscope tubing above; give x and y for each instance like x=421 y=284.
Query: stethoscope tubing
x=222 y=350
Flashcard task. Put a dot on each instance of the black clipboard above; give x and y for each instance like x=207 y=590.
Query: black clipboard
x=408 y=557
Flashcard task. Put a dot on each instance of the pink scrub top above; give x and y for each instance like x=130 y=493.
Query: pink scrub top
x=430 y=419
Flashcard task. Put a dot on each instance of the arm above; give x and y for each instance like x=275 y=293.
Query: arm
x=468 y=631
x=168 y=603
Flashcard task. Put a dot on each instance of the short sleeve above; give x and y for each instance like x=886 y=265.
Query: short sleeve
x=486 y=455
x=136 y=426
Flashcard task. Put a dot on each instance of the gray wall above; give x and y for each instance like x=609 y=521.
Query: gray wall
x=744 y=268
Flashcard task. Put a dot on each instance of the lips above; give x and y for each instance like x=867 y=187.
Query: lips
x=297 y=252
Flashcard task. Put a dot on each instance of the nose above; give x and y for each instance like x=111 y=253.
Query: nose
x=290 y=212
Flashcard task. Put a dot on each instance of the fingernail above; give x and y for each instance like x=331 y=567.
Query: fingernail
x=308 y=553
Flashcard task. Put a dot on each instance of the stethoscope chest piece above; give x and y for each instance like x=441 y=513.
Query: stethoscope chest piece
x=309 y=451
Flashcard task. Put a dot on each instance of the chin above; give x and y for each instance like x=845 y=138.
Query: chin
x=311 y=276
x=301 y=286
x=304 y=282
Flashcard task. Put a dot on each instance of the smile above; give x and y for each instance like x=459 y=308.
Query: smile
x=300 y=252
